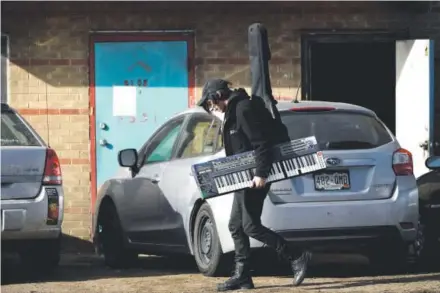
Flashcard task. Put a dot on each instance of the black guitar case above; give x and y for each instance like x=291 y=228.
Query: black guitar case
x=259 y=55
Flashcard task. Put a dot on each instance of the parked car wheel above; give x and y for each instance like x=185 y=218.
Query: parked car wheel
x=42 y=255
x=426 y=246
x=116 y=255
x=207 y=250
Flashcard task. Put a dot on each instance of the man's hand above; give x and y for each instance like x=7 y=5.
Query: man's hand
x=258 y=182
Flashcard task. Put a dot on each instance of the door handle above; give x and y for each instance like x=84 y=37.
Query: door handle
x=103 y=142
x=155 y=179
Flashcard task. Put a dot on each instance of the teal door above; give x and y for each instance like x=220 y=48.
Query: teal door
x=138 y=86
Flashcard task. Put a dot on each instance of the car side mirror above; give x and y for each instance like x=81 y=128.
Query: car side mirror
x=433 y=162
x=127 y=158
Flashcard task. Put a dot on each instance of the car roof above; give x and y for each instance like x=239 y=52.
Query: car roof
x=287 y=105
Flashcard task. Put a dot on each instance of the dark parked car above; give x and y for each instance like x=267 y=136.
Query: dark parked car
x=429 y=194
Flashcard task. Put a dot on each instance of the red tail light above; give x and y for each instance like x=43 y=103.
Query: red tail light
x=312 y=109
x=52 y=170
x=402 y=162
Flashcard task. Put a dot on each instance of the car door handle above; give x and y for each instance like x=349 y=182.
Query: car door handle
x=155 y=179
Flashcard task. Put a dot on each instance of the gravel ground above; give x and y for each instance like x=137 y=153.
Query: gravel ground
x=327 y=274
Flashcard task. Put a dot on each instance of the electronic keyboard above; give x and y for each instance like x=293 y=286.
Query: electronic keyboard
x=235 y=173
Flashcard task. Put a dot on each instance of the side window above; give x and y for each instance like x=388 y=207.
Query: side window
x=162 y=145
x=203 y=133
x=213 y=139
x=218 y=135
x=194 y=144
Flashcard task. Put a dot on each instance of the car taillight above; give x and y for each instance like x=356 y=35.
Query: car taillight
x=312 y=109
x=52 y=170
x=402 y=162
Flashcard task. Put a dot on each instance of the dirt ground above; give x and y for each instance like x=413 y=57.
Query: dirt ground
x=327 y=274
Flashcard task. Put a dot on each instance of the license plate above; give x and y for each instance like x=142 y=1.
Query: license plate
x=335 y=180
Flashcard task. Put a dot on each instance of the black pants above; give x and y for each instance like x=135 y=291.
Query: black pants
x=245 y=222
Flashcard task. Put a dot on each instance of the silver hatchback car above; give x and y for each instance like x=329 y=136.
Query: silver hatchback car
x=32 y=198
x=367 y=198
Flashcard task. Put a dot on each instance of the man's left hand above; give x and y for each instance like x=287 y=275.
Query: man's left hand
x=258 y=182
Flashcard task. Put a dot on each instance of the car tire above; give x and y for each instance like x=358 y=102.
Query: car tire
x=42 y=256
x=207 y=249
x=426 y=247
x=116 y=254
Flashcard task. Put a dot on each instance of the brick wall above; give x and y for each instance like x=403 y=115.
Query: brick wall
x=49 y=55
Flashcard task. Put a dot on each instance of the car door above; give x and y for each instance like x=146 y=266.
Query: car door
x=147 y=190
x=200 y=141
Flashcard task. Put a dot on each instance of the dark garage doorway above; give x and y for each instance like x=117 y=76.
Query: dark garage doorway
x=360 y=72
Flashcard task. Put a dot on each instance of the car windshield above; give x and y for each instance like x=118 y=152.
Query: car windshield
x=14 y=131
x=337 y=130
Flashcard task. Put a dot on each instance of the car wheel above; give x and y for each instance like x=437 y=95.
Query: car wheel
x=42 y=256
x=417 y=248
x=426 y=247
x=207 y=250
x=116 y=255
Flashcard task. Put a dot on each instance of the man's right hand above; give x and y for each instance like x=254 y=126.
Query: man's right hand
x=258 y=182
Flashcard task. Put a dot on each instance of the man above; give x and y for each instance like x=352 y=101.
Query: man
x=247 y=126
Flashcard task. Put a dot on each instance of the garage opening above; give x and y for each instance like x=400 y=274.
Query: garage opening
x=361 y=73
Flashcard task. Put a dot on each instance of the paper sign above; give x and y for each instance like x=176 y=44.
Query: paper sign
x=124 y=101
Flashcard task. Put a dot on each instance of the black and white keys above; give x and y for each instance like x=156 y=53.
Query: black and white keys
x=234 y=181
x=243 y=179
x=304 y=164
x=276 y=172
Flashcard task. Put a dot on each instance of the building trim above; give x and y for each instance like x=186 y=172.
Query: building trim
x=198 y=61
x=74 y=161
x=48 y=61
x=53 y=111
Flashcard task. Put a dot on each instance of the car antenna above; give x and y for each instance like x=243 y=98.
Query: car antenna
x=296 y=96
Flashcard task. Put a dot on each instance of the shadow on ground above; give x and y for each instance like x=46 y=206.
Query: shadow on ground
x=77 y=268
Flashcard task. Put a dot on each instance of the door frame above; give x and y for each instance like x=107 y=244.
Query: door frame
x=313 y=36
x=121 y=36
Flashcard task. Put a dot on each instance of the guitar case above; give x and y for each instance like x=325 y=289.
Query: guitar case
x=261 y=92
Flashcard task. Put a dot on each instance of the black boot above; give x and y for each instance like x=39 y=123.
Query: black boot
x=298 y=265
x=241 y=279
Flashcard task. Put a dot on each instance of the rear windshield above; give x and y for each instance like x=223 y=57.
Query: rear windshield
x=14 y=131
x=337 y=130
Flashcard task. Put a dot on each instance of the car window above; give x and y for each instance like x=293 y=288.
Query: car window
x=337 y=129
x=215 y=137
x=14 y=132
x=200 y=137
x=162 y=145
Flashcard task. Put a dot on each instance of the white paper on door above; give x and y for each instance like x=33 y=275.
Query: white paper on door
x=124 y=101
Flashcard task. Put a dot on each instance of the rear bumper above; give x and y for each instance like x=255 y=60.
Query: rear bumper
x=25 y=219
x=336 y=222
x=394 y=218
x=340 y=239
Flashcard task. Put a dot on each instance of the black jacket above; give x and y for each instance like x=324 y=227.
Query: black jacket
x=248 y=126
